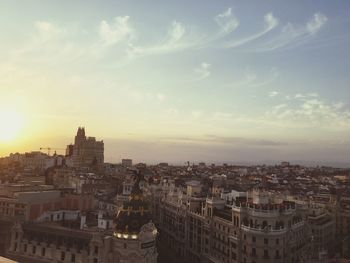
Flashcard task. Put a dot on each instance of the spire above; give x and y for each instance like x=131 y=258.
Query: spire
x=81 y=132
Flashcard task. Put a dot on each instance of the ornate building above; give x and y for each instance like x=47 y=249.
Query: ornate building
x=249 y=229
x=86 y=151
x=135 y=233
x=132 y=241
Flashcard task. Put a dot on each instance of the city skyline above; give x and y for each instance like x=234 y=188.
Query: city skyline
x=229 y=81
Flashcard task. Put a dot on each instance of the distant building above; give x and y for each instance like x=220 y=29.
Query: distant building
x=285 y=164
x=163 y=164
x=87 y=151
x=127 y=162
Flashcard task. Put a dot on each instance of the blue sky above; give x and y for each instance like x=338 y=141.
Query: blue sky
x=220 y=80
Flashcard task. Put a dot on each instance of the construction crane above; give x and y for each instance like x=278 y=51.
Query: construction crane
x=49 y=149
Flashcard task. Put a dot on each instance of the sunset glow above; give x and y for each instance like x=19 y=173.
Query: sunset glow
x=11 y=125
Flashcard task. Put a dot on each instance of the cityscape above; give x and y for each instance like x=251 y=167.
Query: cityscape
x=174 y=131
x=77 y=208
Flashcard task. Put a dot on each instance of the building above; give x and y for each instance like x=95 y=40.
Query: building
x=322 y=226
x=132 y=241
x=127 y=162
x=252 y=228
x=134 y=231
x=87 y=152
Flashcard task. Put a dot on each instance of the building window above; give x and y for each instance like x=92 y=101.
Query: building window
x=254 y=239
x=266 y=253
x=43 y=252
x=244 y=237
x=63 y=256
x=72 y=258
x=277 y=241
x=15 y=248
x=277 y=254
x=266 y=241
x=253 y=251
x=96 y=250
x=125 y=246
x=95 y=260
x=33 y=249
x=25 y=247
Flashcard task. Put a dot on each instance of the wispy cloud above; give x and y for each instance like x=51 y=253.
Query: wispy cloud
x=174 y=41
x=292 y=35
x=244 y=141
x=160 y=97
x=172 y=112
x=226 y=21
x=270 y=22
x=46 y=30
x=117 y=31
x=311 y=111
x=315 y=24
x=251 y=79
x=203 y=71
x=273 y=93
x=196 y=114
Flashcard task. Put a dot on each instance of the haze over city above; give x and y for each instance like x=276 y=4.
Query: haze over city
x=219 y=81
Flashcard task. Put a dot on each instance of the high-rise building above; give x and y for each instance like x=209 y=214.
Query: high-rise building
x=87 y=151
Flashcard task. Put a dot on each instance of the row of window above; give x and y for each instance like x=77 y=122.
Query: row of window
x=266 y=240
x=43 y=253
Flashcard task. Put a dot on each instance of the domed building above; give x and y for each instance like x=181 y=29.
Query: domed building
x=135 y=234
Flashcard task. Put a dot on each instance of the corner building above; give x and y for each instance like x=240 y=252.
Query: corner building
x=254 y=228
x=268 y=230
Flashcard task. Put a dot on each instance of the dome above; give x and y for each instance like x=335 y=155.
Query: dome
x=134 y=214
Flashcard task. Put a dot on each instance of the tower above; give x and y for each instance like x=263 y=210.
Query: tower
x=135 y=234
x=86 y=151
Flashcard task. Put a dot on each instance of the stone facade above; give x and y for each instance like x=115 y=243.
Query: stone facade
x=87 y=151
x=250 y=229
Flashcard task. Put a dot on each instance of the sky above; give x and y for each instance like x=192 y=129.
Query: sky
x=214 y=81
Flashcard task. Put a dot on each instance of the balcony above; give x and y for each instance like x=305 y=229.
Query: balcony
x=266 y=230
x=298 y=224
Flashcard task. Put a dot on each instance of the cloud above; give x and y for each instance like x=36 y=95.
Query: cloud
x=221 y=115
x=304 y=96
x=250 y=79
x=311 y=111
x=226 y=21
x=203 y=71
x=196 y=114
x=243 y=141
x=270 y=22
x=273 y=93
x=46 y=29
x=117 y=31
x=173 y=112
x=160 y=97
x=316 y=22
x=291 y=35
x=174 y=41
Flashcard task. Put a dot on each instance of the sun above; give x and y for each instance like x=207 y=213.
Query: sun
x=11 y=124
